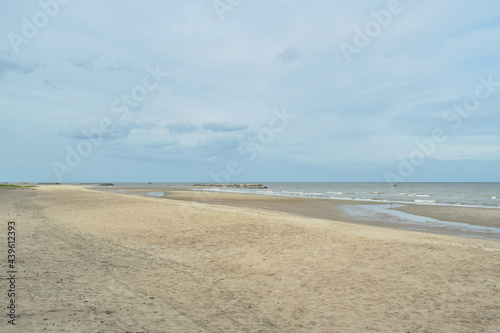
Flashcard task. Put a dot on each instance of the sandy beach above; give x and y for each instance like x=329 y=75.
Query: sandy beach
x=93 y=261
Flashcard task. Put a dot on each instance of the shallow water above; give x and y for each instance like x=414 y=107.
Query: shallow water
x=157 y=194
x=419 y=223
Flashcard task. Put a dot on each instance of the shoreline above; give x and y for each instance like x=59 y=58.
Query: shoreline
x=361 y=201
x=474 y=222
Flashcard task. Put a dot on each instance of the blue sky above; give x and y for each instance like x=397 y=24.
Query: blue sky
x=239 y=91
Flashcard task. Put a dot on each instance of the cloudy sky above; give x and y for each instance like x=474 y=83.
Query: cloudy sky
x=228 y=90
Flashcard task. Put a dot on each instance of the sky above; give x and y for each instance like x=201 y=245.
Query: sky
x=249 y=91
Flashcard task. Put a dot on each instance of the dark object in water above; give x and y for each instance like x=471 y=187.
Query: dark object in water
x=107 y=184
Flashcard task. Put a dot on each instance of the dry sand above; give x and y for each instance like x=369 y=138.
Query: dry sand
x=102 y=262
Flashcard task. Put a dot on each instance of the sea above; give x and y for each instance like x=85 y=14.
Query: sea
x=388 y=196
x=449 y=194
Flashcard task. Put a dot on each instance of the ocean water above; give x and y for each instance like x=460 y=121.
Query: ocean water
x=450 y=194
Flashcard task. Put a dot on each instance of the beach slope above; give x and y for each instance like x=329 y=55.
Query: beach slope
x=92 y=261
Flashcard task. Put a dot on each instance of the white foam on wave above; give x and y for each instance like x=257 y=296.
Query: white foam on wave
x=292 y=192
x=414 y=195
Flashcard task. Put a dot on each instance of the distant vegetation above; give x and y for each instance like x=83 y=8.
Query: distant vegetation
x=15 y=186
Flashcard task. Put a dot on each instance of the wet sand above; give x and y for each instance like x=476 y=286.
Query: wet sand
x=91 y=261
x=488 y=217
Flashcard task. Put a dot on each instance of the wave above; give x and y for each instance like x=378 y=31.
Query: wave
x=415 y=195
